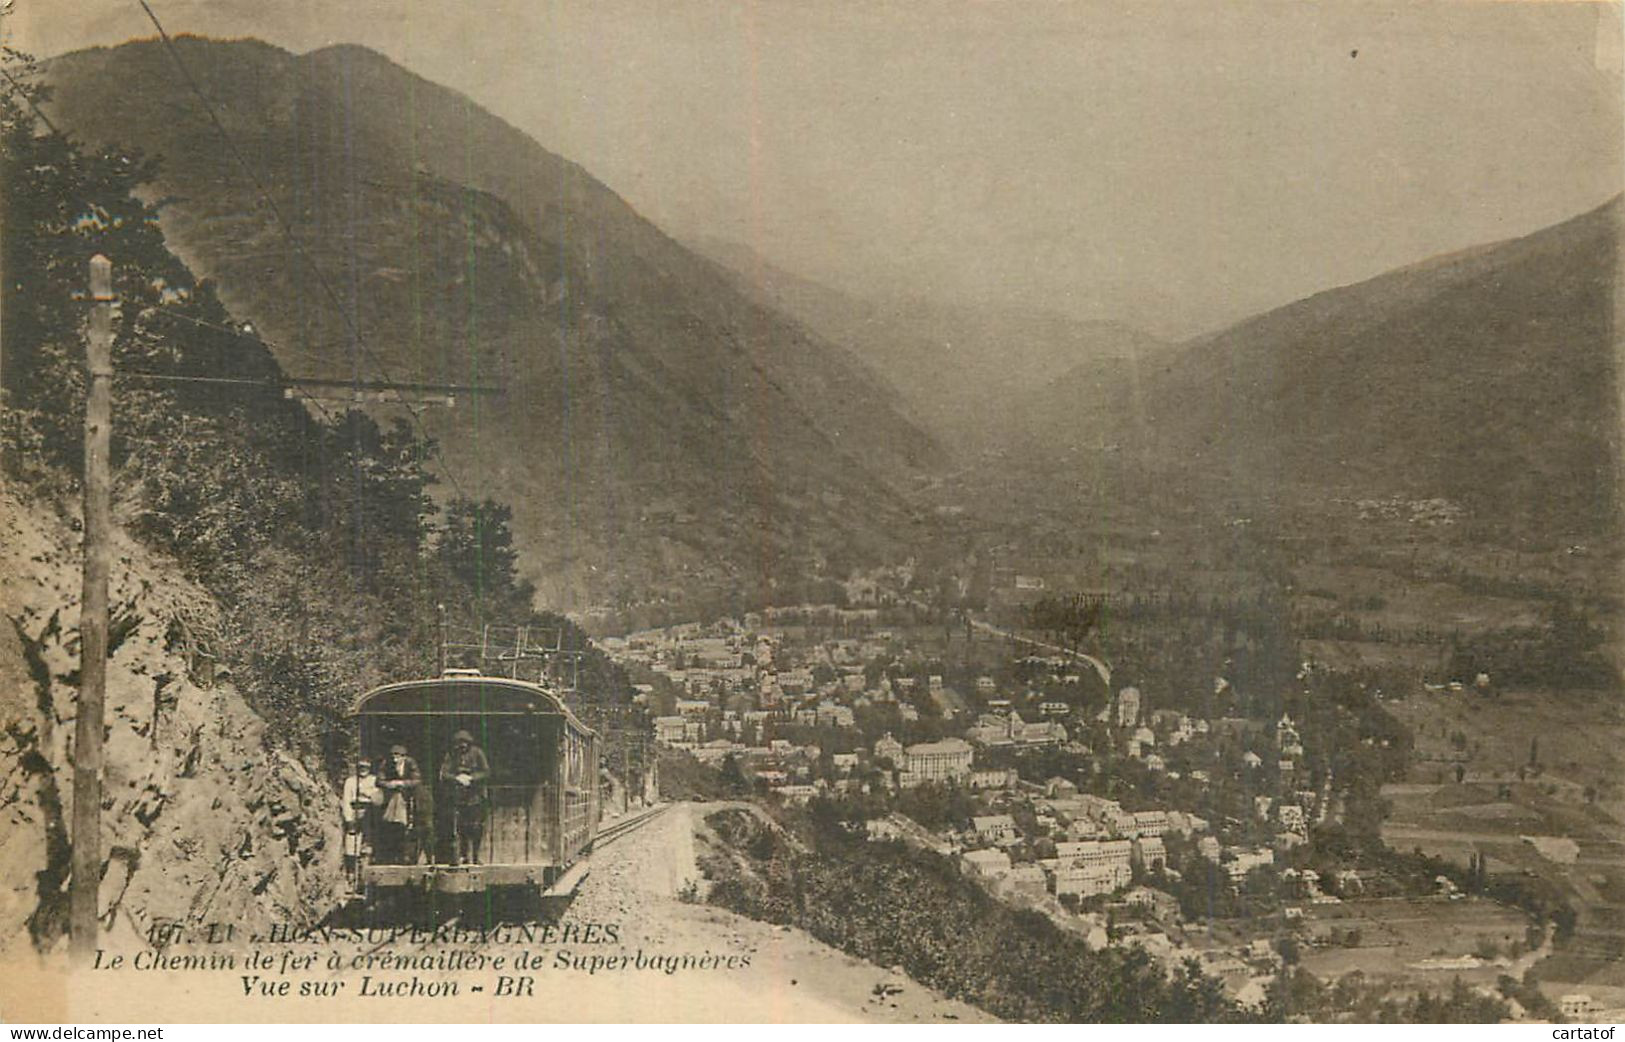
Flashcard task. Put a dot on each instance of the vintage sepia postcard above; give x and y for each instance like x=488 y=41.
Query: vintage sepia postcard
x=738 y=511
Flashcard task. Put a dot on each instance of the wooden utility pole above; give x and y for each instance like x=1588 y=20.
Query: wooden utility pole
x=3 y=402
x=86 y=875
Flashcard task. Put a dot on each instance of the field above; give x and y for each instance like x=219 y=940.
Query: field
x=1573 y=737
x=1411 y=938
x=1379 y=597
x=1557 y=818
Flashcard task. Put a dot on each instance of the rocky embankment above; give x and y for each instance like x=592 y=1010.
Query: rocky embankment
x=203 y=821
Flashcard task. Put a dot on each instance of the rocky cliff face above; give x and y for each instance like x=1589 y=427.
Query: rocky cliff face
x=202 y=820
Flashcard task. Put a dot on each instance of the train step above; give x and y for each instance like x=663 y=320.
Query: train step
x=567 y=884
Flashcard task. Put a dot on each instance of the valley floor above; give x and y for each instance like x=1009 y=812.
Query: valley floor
x=1533 y=766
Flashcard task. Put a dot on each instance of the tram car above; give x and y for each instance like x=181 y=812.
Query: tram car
x=523 y=829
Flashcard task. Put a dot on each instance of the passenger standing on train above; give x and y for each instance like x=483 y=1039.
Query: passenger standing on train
x=466 y=767
x=399 y=781
x=358 y=806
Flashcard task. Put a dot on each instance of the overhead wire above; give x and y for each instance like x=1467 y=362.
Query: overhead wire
x=288 y=381
x=29 y=100
x=277 y=347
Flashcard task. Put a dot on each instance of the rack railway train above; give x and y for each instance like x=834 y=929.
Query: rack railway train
x=537 y=808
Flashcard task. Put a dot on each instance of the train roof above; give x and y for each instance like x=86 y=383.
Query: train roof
x=459 y=693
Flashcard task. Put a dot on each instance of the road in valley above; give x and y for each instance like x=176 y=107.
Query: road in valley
x=1101 y=668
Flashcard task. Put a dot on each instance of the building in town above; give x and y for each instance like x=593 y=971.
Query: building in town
x=947 y=760
x=984 y=863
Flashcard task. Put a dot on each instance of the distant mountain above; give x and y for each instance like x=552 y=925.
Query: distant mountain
x=960 y=367
x=1488 y=377
x=662 y=432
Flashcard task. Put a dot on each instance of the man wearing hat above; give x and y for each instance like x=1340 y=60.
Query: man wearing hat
x=360 y=799
x=399 y=779
x=464 y=770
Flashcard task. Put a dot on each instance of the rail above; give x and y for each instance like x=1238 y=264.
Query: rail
x=610 y=833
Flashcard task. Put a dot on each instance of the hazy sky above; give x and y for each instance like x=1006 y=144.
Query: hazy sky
x=1176 y=164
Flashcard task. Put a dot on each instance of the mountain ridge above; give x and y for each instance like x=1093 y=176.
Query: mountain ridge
x=956 y=365
x=468 y=253
x=1484 y=376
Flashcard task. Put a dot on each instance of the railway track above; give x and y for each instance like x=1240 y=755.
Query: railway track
x=611 y=833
